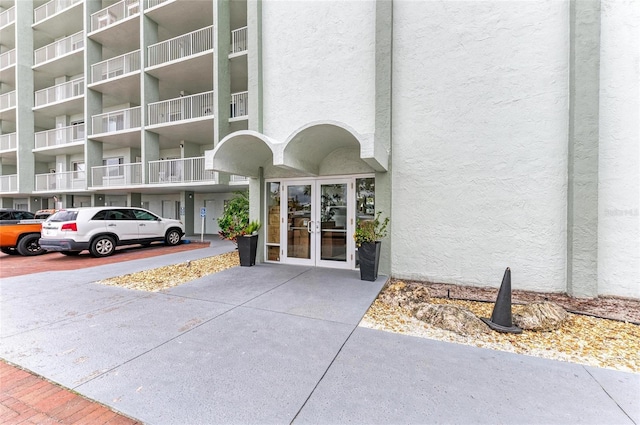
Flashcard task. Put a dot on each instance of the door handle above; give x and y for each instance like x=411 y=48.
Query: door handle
x=111 y=225
x=141 y=224
x=309 y=223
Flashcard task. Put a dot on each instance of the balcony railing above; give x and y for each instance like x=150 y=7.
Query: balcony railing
x=9 y=183
x=239 y=104
x=115 y=67
x=239 y=40
x=60 y=48
x=7 y=16
x=59 y=136
x=8 y=100
x=68 y=180
x=60 y=92
x=238 y=179
x=8 y=59
x=51 y=8
x=124 y=119
x=153 y=3
x=181 y=108
x=183 y=170
x=117 y=175
x=8 y=142
x=182 y=46
x=114 y=13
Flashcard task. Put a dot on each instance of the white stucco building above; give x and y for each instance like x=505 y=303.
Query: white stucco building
x=494 y=134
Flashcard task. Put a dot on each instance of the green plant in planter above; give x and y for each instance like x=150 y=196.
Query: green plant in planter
x=234 y=220
x=368 y=231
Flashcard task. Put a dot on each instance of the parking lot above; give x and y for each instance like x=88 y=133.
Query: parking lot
x=17 y=265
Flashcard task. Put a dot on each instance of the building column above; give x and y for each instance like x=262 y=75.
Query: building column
x=187 y=211
x=582 y=190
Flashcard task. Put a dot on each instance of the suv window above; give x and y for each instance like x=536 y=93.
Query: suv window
x=63 y=216
x=100 y=215
x=144 y=215
x=120 y=215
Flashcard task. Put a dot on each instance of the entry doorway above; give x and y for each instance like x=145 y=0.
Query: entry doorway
x=312 y=221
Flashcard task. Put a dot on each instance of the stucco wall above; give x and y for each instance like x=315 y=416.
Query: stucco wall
x=619 y=171
x=480 y=142
x=318 y=64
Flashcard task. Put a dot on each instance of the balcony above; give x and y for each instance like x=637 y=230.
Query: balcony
x=9 y=183
x=59 y=136
x=180 y=171
x=238 y=180
x=68 y=180
x=60 y=48
x=8 y=142
x=8 y=17
x=181 y=108
x=153 y=3
x=239 y=106
x=51 y=8
x=7 y=59
x=238 y=41
x=114 y=14
x=8 y=106
x=116 y=121
x=191 y=44
x=115 y=67
x=120 y=176
x=60 y=92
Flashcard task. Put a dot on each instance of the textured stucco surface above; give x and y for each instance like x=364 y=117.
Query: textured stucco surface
x=619 y=173
x=318 y=64
x=480 y=103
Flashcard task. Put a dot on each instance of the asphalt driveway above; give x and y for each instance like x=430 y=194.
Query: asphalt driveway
x=278 y=344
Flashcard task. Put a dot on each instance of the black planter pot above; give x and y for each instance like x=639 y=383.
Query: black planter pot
x=369 y=254
x=247 y=247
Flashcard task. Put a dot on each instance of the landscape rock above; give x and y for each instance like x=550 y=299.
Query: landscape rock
x=406 y=295
x=540 y=316
x=452 y=318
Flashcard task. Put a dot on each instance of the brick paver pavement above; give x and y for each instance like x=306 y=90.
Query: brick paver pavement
x=17 y=265
x=29 y=399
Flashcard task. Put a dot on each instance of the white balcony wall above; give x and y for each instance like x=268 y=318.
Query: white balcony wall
x=51 y=8
x=68 y=180
x=114 y=13
x=115 y=67
x=8 y=142
x=238 y=179
x=183 y=170
x=60 y=92
x=59 y=136
x=9 y=183
x=180 y=47
x=181 y=108
x=124 y=119
x=59 y=48
x=117 y=175
x=239 y=40
x=8 y=16
x=8 y=100
x=239 y=104
x=8 y=59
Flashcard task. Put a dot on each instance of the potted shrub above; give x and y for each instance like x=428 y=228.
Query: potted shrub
x=235 y=226
x=367 y=237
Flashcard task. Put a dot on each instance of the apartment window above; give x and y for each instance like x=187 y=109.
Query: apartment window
x=79 y=170
x=113 y=165
x=78 y=130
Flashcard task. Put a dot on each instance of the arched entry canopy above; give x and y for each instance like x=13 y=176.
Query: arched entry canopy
x=304 y=153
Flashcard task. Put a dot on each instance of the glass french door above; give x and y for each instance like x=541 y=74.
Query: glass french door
x=319 y=223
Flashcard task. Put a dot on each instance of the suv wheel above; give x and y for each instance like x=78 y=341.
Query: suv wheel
x=29 y=245
x=172 y=237
x=102 y=246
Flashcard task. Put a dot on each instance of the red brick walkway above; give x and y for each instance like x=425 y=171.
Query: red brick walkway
x=17 y=265
x=29 y=399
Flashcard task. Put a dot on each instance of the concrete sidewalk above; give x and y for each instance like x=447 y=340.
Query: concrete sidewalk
x=279 y=344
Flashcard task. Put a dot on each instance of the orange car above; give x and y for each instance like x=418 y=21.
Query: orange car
x=21 y=238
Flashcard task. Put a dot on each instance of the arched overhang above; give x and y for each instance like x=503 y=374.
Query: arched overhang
x=241 y=153
x=308 y=146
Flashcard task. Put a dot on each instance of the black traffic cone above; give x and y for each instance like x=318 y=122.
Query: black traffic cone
x=501 y=317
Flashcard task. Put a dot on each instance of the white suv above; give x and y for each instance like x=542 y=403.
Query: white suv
x=101 y=229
